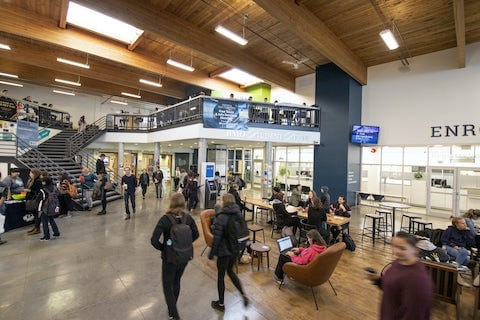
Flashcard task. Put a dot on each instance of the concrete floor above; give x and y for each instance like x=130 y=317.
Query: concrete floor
x=103 y=267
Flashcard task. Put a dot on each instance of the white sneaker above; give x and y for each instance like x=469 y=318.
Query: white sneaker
x=465 y=280
x=277 y=279
x=463 y=269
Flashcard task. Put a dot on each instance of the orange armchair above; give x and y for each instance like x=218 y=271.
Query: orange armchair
x=206 y=217
x=318 y=271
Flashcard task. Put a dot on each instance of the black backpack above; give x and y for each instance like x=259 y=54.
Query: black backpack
x=179 y=245
x=241 y=185
x=237 y=234
x=51 y=205
x=349 y=242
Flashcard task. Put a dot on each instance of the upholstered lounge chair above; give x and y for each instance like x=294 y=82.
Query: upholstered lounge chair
x=318 y=271
x=206 y=217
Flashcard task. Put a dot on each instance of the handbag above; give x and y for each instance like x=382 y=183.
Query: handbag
x=31 y=205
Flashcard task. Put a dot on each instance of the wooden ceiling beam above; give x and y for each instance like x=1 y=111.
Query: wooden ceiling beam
x=45 y=57
x=459 y=13
x=62 y=20
x=45 y=30
x=313 y=31
x=176 y=30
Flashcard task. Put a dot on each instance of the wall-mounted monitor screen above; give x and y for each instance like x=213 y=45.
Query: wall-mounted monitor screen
x=365 y=134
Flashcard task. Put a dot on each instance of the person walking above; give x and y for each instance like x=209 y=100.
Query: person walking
x=226 y=255
x=158 y=180
x=193 y=192
x=48 y=193
x=34 y=185
x=144 y=181
x=3 y=197
x=100 y=165
x=172 y=272
x=129 y=183
x=176 y=179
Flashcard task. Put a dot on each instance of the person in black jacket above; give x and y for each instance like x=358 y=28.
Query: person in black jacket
x=34 y=185
x=144 y=181
x=100 y=165
x=226 y=257
x=172 y=273
x=284 y=218
x=234 y=191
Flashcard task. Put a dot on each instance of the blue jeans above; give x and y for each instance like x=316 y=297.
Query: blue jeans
x=46 y=232
x=460 y=255
x=131 y=196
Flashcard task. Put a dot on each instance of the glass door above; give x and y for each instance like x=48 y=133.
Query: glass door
x=442 y=191
x=468 y=189
x=257 y=174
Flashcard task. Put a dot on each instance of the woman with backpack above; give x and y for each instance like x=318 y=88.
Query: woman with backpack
x=173 y=261
x=48 y=208
x=226 y=254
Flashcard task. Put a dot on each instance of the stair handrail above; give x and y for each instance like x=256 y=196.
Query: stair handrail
x=89 y=161
x=26 y=152
x=80 y=139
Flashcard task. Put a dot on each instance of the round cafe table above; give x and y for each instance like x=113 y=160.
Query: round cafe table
x=394 y=206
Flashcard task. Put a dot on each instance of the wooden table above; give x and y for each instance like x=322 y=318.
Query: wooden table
x=332 y=219
x=260 y=203
x=394 y=206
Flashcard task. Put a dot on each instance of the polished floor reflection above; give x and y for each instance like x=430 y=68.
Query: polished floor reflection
x=103 y=267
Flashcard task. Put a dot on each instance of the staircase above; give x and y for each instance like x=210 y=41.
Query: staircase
x=57 y=155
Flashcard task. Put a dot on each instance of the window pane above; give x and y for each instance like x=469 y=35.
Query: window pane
x=371 y=155
x=392 y=155
x=415 y=156
x=281 y=154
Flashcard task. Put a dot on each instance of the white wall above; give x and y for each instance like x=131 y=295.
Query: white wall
x=304 y=91
x=435 y=92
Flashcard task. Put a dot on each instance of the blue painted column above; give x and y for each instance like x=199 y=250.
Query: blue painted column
x=336 y=160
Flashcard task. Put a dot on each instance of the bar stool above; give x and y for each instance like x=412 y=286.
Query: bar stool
x=261 y=211
x=375 y=228
x=256 y=228
x=417 y=224
x=387 y=219
x=258 y=250
x=410 y=218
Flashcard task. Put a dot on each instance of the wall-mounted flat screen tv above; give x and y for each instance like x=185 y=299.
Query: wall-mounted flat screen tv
x=365 y=134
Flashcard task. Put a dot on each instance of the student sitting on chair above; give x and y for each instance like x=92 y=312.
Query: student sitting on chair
x=340 y=208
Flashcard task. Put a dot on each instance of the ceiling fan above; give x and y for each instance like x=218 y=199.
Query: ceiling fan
x=295 y=63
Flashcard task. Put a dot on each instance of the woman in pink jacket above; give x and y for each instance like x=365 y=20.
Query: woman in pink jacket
x=301 y=255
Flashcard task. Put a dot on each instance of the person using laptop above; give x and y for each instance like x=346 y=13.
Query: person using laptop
x=299 y=255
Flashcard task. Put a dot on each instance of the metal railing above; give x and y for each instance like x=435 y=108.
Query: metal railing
x=79 y=140
x=87 y=160
x=31 y=158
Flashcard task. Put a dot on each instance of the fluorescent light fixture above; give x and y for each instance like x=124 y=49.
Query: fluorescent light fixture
x=74 y=63
x=5 y=46
x=8 y=75
x=240 y=77
x=123 y=103
x=180 y=65
x=389 y=39
x=132 y=95
x=67 y=93
x=77 y=84
x=97 y=22
x=11 y=83
x=151 y=83
x=230 y=35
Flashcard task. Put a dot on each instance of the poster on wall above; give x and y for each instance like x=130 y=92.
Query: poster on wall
x=225 y=114
x=8 y=108
x=27 y=132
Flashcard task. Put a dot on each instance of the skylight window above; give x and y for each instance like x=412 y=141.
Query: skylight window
x=97 y=22
x=240 y=77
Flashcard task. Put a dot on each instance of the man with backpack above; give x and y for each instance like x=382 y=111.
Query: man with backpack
x=179 y=231
x=230 y=237
x=48 y=208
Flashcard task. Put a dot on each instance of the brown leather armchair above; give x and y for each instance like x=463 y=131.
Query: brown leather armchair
x=318 y=271
x=206 y=218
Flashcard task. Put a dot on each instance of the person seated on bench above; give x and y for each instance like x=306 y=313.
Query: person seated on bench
x=457 y=239
x=340 y=208
x=301 y=255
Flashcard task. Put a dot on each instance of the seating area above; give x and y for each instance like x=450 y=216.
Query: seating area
x=128 y=260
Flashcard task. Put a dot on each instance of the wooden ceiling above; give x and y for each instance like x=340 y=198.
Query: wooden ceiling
x=344 y=32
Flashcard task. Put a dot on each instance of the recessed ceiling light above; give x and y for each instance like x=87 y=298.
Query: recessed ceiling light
x=3 y=74
x=5 y=46
x=194 y=143
x=191 y=146
x=74 y=63
x=132 y=95
x=73 y=83
x=169 y=144
x=11 y=83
